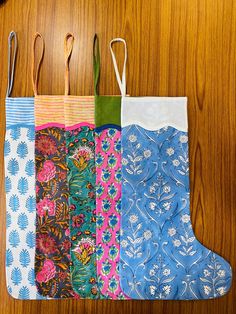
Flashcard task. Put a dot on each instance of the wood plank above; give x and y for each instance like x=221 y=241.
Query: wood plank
x=176 y=48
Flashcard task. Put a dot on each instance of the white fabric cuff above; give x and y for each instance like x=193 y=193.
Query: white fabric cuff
x=153 y=113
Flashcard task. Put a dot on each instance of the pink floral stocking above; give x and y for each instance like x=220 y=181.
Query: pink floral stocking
x=108 y=196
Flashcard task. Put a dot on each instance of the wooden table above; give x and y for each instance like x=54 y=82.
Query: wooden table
x=176 y=48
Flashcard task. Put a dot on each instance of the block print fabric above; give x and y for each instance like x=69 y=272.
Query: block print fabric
x=21 y=211
x=160 y=255
x=52 y=259
x=108 y=185
x=108 y=204
x=80 y=148
x=81 y=179
x=20 y=198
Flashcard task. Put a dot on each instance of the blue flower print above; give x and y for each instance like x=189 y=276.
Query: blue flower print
x=113 y=220
x=106 y=236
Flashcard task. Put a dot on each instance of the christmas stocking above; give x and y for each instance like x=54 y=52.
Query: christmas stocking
x=80 y=157
x=108 y=182
x=160 y=255
x=20 y=190
x=52 y=256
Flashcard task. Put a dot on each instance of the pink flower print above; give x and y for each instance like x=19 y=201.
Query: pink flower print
x=72 y=207
x=84 y=249
x=47 y=272
x=82 y=156
x=67 y=232
x=48 y=172
x=41 y=176
x=46 y=205
x=37 y=189
x=77 y=220
x=48 y=165
x=76 y=133
x=40 y=277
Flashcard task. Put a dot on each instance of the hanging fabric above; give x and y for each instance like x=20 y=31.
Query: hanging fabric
x=80 y=156
x=52 y=258
x=108 y=186
x=160 y=255
x=20 y=188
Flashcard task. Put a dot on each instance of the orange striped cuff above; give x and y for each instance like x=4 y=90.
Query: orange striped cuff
x=78 y=109
x=49 y=110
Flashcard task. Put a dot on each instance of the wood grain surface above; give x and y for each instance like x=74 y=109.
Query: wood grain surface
x=175 y=48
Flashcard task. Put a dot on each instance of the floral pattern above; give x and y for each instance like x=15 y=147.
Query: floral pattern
x=52 y=259
x=108 y=195
x=160 y=255
x=81 y=180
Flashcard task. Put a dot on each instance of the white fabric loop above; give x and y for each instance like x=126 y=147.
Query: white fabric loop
x=121 y=81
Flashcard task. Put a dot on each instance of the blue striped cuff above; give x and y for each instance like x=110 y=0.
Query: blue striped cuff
x=19 y=110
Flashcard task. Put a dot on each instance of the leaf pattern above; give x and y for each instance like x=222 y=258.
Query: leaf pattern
x=31 y=276
x=8 y=220
x=7 y=148
x=22 y=186
x=8 y=185
x=15 y=133
x=24 y=293
x=9 y=258
x=13 y=166
x=14 y=238
x=22 y=221
x=30 y=239
x=29 y=168
x=16 y=276
x=30 y=204
x=24 y=258
x=20 y=174
x=22 y=150
x=160 y=256
x=14 y=202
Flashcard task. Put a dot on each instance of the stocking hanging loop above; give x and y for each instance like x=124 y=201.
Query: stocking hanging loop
x=35 y=71
x=12 y=39
x=121 y=80
x=68 y=47
x=96 y=63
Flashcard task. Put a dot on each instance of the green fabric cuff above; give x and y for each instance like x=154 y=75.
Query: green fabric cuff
x=107 y=110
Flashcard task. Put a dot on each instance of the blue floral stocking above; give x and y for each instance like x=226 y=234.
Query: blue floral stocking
x=160 y=255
